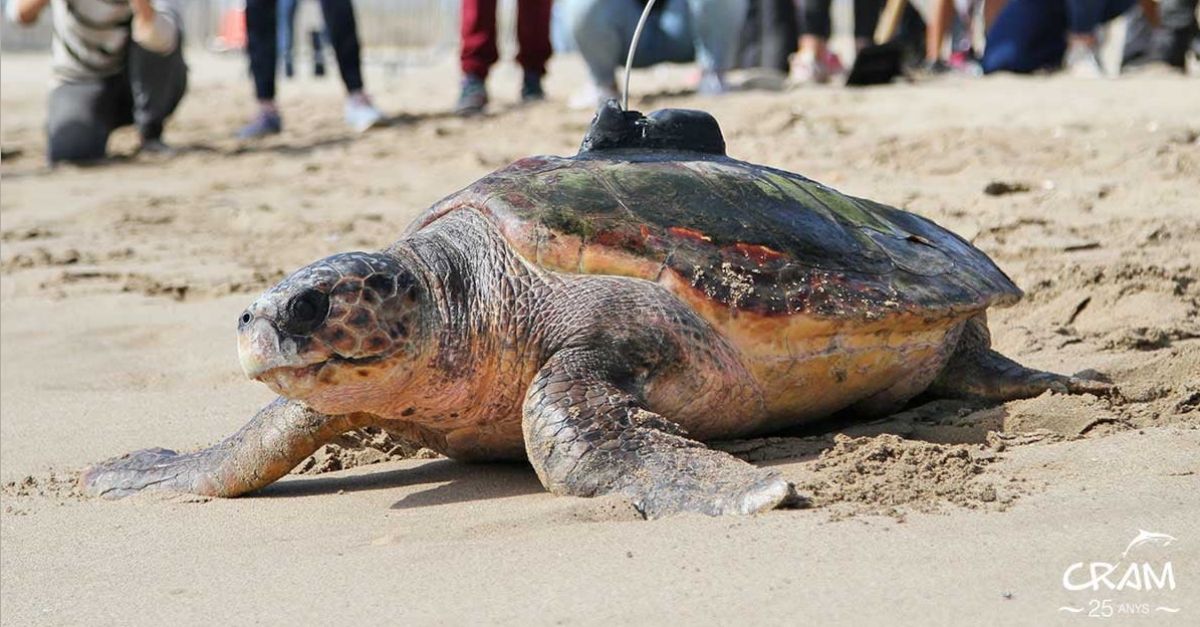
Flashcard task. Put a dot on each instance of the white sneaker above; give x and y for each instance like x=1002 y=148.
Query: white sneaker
x=592 y=97
x=810 y=69
x=361 y=115
x=712 y=83
x=1082 y=61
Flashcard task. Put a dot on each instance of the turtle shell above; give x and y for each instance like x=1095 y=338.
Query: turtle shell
x=741 y=236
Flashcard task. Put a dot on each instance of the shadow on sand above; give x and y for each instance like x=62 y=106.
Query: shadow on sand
x=450 y=481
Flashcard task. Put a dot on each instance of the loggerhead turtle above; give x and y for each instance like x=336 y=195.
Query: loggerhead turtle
x=604 y=314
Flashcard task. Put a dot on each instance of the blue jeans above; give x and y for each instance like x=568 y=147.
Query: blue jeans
x=1031 y=35
x=681 y=31
x=287 y=27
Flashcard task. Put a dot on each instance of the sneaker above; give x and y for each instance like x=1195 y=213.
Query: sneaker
x=1082 y=61
x=965 y=62
x=360 y=114
x=155 y=146
x=711 y=84
x=935 y=67
x=531 y=88
x=318 y=47
x=473 y=97
x=592 y=97
x=816 y=69
x=263 y=124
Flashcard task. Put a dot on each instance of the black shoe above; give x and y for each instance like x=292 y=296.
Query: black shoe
x=531 y=88
x=473 y=97
x=934 y=68
x=318 y=53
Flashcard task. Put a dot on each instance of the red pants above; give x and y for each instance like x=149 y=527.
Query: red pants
x=479 y=36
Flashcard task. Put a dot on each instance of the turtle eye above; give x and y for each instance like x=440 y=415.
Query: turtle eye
x=306 y=312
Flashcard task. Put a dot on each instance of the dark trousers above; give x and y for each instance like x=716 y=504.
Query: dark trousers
x=478 y=30
x=81 y=115
x=262 y=43
x=814 y=17
x=1169 y=44
x=1031 y=35
x=769 y=35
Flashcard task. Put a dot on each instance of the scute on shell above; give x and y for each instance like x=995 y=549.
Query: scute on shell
x=745 y=236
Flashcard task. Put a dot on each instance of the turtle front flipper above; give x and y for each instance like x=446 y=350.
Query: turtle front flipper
x=976 y=371
x=586 y=436
x=279 y=437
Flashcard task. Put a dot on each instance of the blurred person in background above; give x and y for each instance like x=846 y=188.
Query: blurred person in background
x=678 y=31
x=287 y=37
x=1161 y=34
x=1033 y=35
x=115 y=63
x=262 y=47
x=815 y=63
x=956 y=17
x=478 y=51
x=768 y=40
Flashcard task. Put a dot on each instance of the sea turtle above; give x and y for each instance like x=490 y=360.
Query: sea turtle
x=602 y=315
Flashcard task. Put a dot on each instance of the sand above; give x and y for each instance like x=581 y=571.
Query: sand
x=120 y=285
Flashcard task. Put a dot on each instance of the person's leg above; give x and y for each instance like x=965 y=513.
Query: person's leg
x=1025 y=37
x=991 y=10
x=866 y=18
x=79 y=120
x=343 y=34
x=814 y=62
x=672 y=38
x=768 y=36
x=778 y=33
x=157 y=83
x=533 y=35
x=262 y=47
x=360 y=114
x=478 y=50
x=941 y=14
x=715 y=25
x=603 y=30
x=1164 y=42
x=477 y=54
x=285 y=29
x=1112 y=9
x=1083 y=18
x=1138 y=35
x=814 y=20
x=1180 y=31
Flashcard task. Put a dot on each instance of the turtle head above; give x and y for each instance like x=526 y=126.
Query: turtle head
x=335 y=332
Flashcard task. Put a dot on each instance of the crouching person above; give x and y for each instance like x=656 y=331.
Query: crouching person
x=116 y=62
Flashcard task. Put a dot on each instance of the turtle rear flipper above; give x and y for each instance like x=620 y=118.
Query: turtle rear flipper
x=278 y=438
x=585 y=436
x=976 y=371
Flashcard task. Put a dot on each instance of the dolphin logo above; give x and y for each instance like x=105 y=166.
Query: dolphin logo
x=1147 y=537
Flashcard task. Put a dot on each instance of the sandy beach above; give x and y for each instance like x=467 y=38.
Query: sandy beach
x=121 y=283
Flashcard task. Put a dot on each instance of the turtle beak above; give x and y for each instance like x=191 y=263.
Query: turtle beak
x=260 y=351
